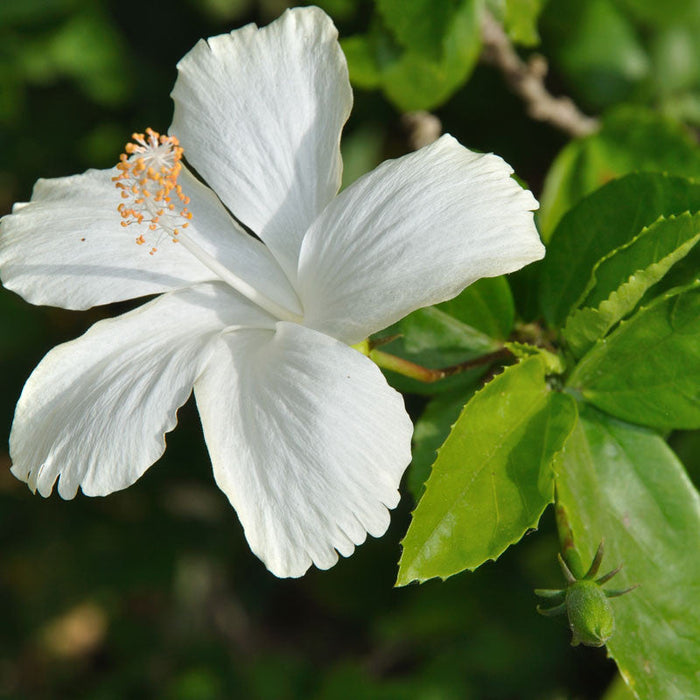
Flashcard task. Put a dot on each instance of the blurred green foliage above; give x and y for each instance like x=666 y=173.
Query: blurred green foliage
x=153 y=592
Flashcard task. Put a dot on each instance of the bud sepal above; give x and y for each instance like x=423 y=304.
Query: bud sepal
x=585 y=603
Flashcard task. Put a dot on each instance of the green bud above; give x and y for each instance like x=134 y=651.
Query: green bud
x=584 y=601
x=590 y=614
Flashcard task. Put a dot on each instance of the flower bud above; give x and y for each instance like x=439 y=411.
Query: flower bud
x=590 y=614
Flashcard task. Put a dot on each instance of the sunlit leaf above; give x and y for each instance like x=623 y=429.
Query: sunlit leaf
x=492 y=478
x=647 y=371
x=521 y=21
x=623 y=484
x=620 y=280
x=630 y=139
x=600 y=223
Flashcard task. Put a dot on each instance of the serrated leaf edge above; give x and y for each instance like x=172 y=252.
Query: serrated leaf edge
x=676 y=291
x=606 y=312
x=531 y=525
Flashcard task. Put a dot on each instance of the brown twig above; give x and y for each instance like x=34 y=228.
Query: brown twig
x=422 y=128
x=527 y=81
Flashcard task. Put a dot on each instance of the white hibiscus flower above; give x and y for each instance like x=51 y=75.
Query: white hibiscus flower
x=306 y=438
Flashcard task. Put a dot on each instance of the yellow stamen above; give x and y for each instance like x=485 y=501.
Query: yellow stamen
x=148 y=173
x=147 y=181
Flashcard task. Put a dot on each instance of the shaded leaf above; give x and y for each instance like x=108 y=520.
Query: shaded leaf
x=431 y=329
x=430 y=431
x=654 y=12
x=597 y=48
x=486 y=305
x=419 y=53
x=452 y=332
x=419 y=25
x=362 y=152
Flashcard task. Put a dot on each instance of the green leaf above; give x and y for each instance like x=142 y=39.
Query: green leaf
x=676 y=58
x=360 y=53
x=553 y=363
x=362 y=152
x=486 y=305
x=419 y=53
x=618 y=690
x=623 y=483
x=630 y=138
x=655 y=244
x=34 y=11
x=434 y=358
x=433 y=330
x=648 y=370
x=430 y=431
x=597 y=49
x=419 y=25
x=442 y=335
x=521 y=21
x=492 y=477
x=620 y=280
x=600 y=223
x=660 y=13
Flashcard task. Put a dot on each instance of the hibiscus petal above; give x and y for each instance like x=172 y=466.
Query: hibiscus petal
x=259 y=113
x=96 y=409
x=67 y=248
x=308 y=442
x=413 y=232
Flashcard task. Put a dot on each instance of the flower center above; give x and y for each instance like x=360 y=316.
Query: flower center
x=149 y=169
x=148 y=173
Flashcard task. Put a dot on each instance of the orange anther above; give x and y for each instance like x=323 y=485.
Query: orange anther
x=147 y=172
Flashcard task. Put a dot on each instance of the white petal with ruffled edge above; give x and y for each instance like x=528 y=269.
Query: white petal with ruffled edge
x=259 y=113
x=67 y=248
x=96 y=409
x=308 y=442
x=412 y=233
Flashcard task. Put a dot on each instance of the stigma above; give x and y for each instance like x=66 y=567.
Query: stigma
x=148 y=173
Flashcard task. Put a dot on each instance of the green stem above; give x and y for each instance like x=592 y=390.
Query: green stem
x=566 y=540
x=426 y=374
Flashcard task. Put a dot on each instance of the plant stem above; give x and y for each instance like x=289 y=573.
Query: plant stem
x=527 y=81
x=566 y=540
x=426 y=374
